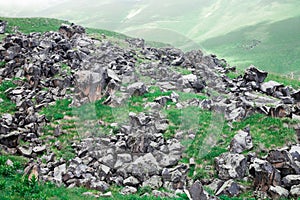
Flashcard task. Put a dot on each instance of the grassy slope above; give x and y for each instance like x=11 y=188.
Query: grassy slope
x=278 y=51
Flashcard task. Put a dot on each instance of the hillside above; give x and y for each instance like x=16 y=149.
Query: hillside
x=191 y=24
x=89 y=114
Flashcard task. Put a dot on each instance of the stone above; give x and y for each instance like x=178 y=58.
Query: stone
x=295 y=191
x=270 y=87
x=144 y=166
x=9 y=163
x=39 y=149
x=99 y=185
x=90 y=194
x=264 y=174
x=282 y=160
x=197 y=192
x=2 y=26
x=231 y=166
x=295 y=152
x=290 y=180
x=122 y=159
x=58 y=173
x=242 y=141
x=131 y=181
x=277 y=192
x=229 y=188
x=137 y=89
x=128 y=190
x=254 y=74
x=155 y=182
x=25 y=151
x=8 y=119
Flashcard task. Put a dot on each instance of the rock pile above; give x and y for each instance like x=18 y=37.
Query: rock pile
x=69 y=65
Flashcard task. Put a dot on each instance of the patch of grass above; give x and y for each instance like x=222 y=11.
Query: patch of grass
x=28 y=25
x=99 y=32
x=6 y=106
x=57 y=111
x=2 y=64
x=66 y=68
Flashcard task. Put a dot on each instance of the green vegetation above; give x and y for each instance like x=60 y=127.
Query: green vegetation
x=285 y=80
x=28 y=25
x=273 y=47
x=6 y=105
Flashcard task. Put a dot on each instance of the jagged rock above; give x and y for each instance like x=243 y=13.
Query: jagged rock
x=295 y=152
x=137 y=89
x=282 y=160
x=39 y=149
x=270 y=87
x=143 y=167
x=122 y=159
x=162 y=194
x=155 y=182
x=296 y=96
x=2 y=26
x=70 y=30
x=231 y=166
x=25 y=151
x=197 y=192
x=229 y=188
x=128 y=190
x=131 y=181
x=277 y=192
x=295 y=190
x=58 y=173
x=290 y=180
x=264 y=174
x=253 y=74
x=242 y=141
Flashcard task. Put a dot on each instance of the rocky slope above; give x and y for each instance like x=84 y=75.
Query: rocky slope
x=116 y=121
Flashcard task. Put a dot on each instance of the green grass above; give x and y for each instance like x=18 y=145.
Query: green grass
x=28 y=25
x=277 y=51
x=6 y=106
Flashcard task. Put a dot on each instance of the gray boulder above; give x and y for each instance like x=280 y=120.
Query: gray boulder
x=2 y=26
x=229 y=188
x=290 y=180
x=295 y=191
x=277 y=192
x=231 y=166
x=242 y=141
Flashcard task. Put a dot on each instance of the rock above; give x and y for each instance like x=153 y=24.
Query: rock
x=197 y=192
x=8 y=119
x=99 y=185
x=58 y=172
x=122 y=159
x=290 y=180
x=296 y=96
x=131 y=181
x=39 y=149
x=128 y=190
x=2 y=26
x=270 y=87
x=137 y=89
x=277 y=192
x=295 y=191
x=231 y=166
x=70 y=30
x=295 y=152
x=155 y=182
x=229 y=188
x=9 y=163
x=253 y=74
x=143 y=167
x=282 y=160
x=25 y=151
x=242 y=141
x=264 y=174
x=162 y=194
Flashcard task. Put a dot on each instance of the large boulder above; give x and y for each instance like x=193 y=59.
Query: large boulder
x=254 y=74
x=231 y=166
x=264 y=174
